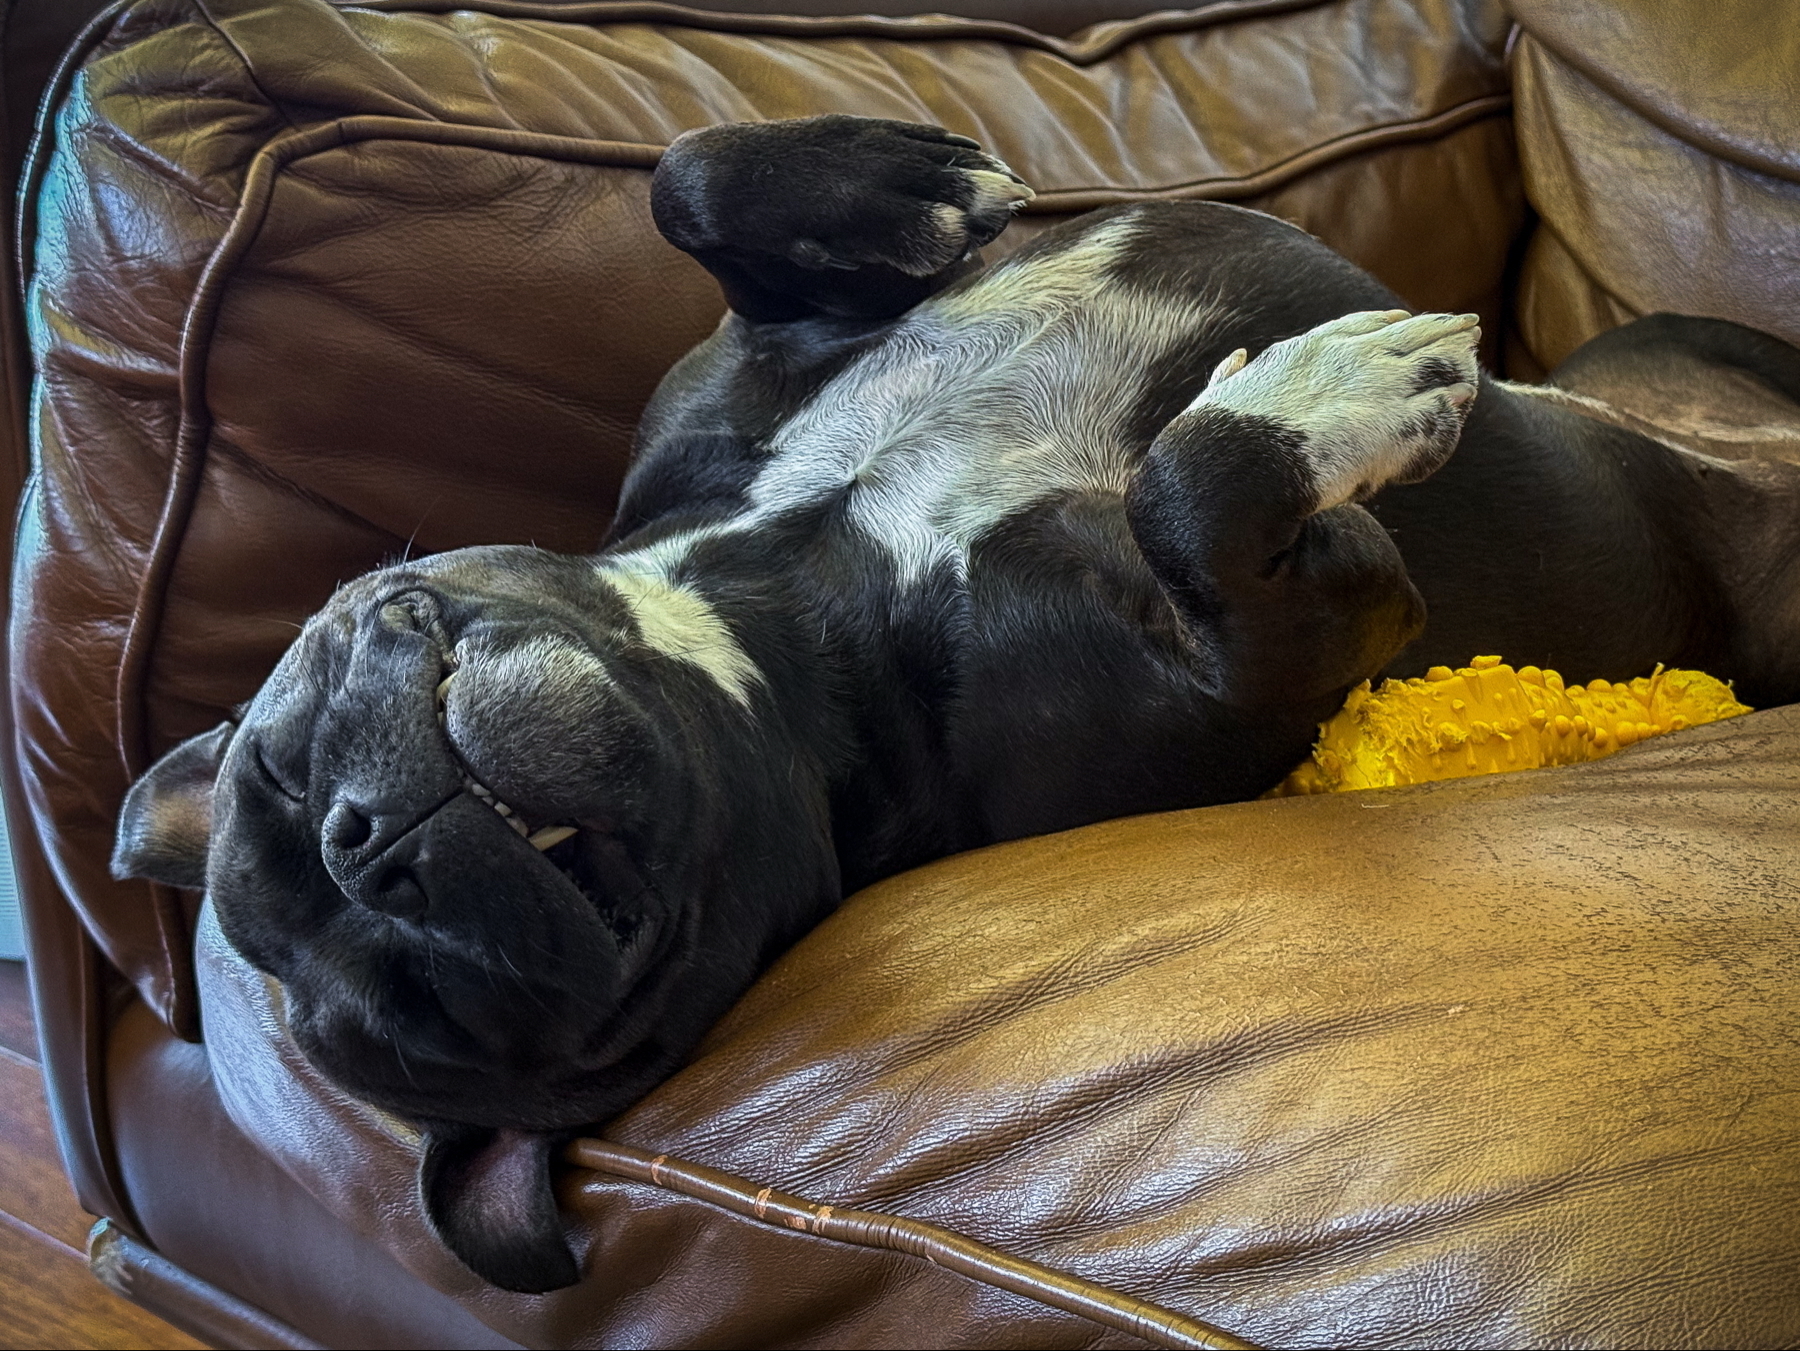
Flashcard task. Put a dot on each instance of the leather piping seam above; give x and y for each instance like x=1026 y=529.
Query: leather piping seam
x=1086 y=47
x=915 y=1238
x=196 y=334
x=37 y=157
x=1235 y=188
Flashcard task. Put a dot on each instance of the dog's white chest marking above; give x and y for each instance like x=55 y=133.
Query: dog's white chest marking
x=981 y=403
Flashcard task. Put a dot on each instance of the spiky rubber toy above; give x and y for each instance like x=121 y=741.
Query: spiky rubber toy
x=1486 y=718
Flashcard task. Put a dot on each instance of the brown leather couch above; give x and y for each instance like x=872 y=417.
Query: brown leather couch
x=1509 y=1062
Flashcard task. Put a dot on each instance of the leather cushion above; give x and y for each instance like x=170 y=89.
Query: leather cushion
x=1661 y=147
x=212 y=1201
x=1499 y=1062
x=315 y=286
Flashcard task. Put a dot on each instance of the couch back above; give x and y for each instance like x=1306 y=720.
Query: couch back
x=314 y=286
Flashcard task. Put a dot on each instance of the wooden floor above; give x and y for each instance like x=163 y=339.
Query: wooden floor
x=47 y=1297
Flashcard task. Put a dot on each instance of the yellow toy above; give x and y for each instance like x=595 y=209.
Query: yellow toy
x=1487 y=718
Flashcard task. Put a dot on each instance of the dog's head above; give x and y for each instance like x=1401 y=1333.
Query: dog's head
x=493 y=823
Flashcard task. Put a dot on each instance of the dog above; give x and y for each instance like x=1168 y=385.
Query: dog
x=914 y=555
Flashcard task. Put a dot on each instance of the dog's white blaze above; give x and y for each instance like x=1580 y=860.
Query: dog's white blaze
x=550 y=666
x=679 y=622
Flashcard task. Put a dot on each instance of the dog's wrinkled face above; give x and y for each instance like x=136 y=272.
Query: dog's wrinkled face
x=434 y=826
x=498 y=824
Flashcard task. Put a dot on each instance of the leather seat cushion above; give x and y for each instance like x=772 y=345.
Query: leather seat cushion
x=1497 y=1062
x=214 y=1202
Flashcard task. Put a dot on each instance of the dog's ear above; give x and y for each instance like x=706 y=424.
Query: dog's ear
x=165 y=825
x=487 y=1194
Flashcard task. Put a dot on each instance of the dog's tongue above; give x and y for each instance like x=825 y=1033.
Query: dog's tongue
x=488 y=1194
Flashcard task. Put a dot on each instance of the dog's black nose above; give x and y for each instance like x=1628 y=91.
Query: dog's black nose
x=369 y=854
x=347 y=828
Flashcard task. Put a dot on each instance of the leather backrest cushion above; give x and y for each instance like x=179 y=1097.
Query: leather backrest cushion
x=1661 y=147
x=315 y=286
x=1492 y=1062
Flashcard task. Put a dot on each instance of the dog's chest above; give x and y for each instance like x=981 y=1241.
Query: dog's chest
x=1014 y=390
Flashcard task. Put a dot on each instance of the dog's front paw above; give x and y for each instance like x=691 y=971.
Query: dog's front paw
x=1377 y=397
x=835 y=192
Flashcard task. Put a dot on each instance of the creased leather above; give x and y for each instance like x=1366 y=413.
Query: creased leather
x=1504 y=1062
x=1661 y=146
x=1721 y=75
x=871 y=1229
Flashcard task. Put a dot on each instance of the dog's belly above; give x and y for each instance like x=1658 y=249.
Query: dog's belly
x=1028 y=383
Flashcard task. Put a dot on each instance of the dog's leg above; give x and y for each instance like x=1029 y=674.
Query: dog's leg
x=850 y=217
x=821 y=233
x=1246 y=504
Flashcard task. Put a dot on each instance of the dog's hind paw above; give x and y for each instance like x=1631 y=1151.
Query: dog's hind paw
x=1376 y=397
x=836 y=192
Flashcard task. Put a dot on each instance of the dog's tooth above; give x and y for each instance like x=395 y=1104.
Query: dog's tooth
x=443 y=689
x=518 y=825
x=549 y=837
x=499 y=806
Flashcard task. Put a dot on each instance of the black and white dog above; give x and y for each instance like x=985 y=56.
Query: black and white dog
x=914 y=556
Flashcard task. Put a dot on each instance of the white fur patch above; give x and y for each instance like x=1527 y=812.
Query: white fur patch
x=547 y=669
x=1776 y=441
x=981 y=404
x=996 y=190
x=679 y=622
x=1351 y=388
x=1556 y=394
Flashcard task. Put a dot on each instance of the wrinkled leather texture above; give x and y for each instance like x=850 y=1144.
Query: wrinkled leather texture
x=1501 y=1062
x=220 y=1218
x=1493 y=1064
x=300 y=271
x=1661 y=147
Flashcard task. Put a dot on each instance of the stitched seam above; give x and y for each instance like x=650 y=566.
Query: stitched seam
x=37 y=158
x=1410 y=131
x=197 y=331
x=915 y=1238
